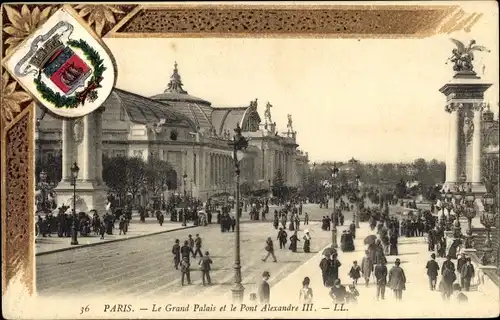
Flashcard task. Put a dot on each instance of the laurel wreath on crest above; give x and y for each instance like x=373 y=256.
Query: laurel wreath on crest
x=89 y=93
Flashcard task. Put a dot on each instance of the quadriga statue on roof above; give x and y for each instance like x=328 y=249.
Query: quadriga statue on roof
x=463 y=56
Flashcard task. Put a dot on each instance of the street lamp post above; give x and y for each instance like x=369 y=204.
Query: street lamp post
x=239 y=143
x=358 y=203
x=334 y=228
x=74 y=175
x=184 y=177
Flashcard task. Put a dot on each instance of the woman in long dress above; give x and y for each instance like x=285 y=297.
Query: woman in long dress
x=293 y=242
x=307 y=242
x=393 y=250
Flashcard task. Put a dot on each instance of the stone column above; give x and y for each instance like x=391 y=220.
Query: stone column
x=466 y=88
x=477 y=144
x=453 y=146
x=217 y=171
x=98 y=145
x=67 y=149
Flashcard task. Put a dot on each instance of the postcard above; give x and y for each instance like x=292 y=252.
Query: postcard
x=249 y=160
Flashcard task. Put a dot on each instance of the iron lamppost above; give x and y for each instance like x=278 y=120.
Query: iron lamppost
x=239 y=143
x=334 y=215
x=74 y=175
x=184 y=177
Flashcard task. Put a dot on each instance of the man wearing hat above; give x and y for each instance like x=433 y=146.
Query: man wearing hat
x=264 y=290
x=338 y=292
x=176 y=251
x=381 y=279
x=432 y=271
x=197 y=244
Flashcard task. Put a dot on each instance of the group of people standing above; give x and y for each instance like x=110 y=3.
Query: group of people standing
x=191 y=247
x=294 y=239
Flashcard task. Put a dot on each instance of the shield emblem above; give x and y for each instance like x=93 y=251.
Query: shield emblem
x=64 y=66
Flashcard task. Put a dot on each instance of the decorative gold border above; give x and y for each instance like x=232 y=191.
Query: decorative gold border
x=111 y=20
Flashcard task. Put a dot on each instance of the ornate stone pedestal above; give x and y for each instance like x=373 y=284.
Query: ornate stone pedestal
x=82 y=143
x=465 y=102
x=88 y=196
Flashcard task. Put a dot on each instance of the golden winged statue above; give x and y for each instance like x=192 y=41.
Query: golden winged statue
x=463 y=56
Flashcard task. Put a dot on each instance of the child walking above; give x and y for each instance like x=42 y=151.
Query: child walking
x=355 y=273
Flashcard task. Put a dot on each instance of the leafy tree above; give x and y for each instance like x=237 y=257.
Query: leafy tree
x=136 y=174
x=157 y=174
x=52 y=165
x=114 y=174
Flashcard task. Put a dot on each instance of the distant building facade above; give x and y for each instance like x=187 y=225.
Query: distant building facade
x=193 y=136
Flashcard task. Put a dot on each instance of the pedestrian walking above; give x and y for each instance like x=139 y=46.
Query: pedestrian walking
x=307 y=241
x=324 y=266
x=197 y=244
x=186 y=250
x=381 y=279
x=264 y=289
x=270 y=250
x=397 y=280
x=355 y=273
x=467 y=274
x=176 y=251
x=460 y=264
x=293 y=242
x=205 y=263
x=306 y=218
x=338 y=292
x=432 y=271
x=102 y=230
x=121 y=226
x=447 y=278
x=306 y=293
x=191 y=242
x=185 y=270
x=367 y=267
x=282 y=238
x=161 y=218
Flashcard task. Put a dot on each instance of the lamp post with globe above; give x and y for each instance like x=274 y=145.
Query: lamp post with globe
x=239 y=143
x=74 y=174
x=184 y=177
x=335 y=172
x=356 y=195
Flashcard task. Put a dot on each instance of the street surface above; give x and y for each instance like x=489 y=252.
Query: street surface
x=144 y=266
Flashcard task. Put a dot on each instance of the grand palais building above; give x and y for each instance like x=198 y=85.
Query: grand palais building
x=192 y=135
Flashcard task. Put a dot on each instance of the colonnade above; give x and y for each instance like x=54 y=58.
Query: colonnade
x=221 y=170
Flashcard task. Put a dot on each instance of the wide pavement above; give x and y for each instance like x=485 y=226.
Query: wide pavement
x=144 y=266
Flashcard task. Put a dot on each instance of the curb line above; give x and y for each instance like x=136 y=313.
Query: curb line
x=110 y=241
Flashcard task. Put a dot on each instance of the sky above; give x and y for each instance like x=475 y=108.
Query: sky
x=374 y=100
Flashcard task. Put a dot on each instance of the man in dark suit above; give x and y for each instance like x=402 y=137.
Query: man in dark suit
x=176 y=251
x=432 y=271
x=186 y=250
x=381 y=279
x=205 y=263
x=264 y=290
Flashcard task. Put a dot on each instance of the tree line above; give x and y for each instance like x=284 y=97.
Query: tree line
x=390 y=177
x=123 y=175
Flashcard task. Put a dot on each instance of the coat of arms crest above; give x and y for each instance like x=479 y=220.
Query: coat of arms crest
x=64 y=66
